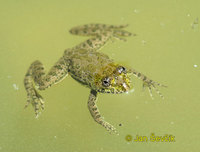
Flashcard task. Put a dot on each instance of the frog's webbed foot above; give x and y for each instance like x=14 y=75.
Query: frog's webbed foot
x=109 y=127
x=120 y=34
x=151 y=84
x=36 y=76
x=36 y=100
x=96 y=114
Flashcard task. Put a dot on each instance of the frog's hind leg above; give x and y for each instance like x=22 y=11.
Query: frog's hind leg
x=35 y=78
x=94 y=29
x=101 y=35
x=95 y=43
x=96 y=114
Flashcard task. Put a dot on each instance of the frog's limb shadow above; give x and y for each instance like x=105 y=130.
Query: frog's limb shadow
x=96 y=114
x=36 y=78
x=148 y=83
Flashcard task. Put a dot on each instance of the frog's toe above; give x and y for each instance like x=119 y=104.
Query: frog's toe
x=110 y=128
x=119 y=38
x=150 y=92
x=116 y=26
x=123 y=33
x=37 y=102
x=158 y=92
x=151 y=85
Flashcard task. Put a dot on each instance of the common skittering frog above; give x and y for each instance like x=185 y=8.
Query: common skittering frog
x=88 y=66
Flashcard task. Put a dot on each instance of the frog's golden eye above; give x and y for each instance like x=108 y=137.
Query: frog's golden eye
x=106 y=82
x=121 y=69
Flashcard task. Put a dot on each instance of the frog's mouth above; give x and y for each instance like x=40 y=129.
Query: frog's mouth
x=117 y=89
x=126 y=87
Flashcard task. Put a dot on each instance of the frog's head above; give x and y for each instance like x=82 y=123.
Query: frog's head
x=113 y=79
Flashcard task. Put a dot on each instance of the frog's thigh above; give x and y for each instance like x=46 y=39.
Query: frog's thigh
x=95 y=112
x=57 y=73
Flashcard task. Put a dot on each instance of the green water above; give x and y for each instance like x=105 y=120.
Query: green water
x=166 y=49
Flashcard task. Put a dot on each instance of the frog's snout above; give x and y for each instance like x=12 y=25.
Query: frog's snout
x=126 y=87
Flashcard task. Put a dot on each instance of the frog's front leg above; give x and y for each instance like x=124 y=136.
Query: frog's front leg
x=95 y=112
x=148 y=82
x=35 y=78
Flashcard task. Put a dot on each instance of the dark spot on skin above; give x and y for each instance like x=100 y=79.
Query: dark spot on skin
x=104 y=25
x=144 y=78
x=112 y=90
x=26 y=83
x=96 y=113
x=92 y=104
x=89 y=43
x=84 y=45
x=28 y=75
x=120 y=124
x=98 y=116
x=40 y=68
x=139 y=74
x=58 y=67
x=94 y=109
x=100 y=38
x=86 y=26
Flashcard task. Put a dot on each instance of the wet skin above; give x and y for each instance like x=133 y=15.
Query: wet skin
x=89 y=67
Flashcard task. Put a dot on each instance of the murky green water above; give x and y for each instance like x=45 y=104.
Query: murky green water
x=166 y=49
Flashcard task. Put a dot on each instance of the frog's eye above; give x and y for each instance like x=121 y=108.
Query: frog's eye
x=106 y=82
x=121 y=69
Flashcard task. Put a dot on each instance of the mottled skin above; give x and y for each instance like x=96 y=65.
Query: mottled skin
x=89 y=67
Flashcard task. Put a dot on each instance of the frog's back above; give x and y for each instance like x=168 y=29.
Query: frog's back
x=84 y=64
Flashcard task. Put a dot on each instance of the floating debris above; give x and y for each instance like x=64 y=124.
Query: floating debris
x=144 y=42
x=162 y=24
x=136 y=11
x=9 y=76
x=195 y=66
x=195 y=24
x=16 y=87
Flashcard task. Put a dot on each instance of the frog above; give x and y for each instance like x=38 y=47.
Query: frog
x=90 y=67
